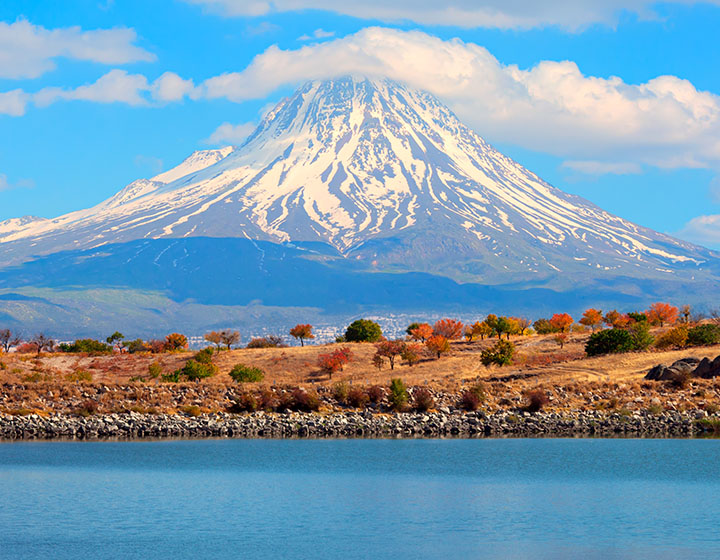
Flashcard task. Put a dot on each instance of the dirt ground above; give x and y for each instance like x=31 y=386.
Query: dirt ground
x=571 y=379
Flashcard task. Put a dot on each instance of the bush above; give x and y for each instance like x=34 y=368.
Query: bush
x=155 y=370
x=363 y=330
x=340 y=392
x=471 y=398
x=641 y=337
x=544 y=326
x=609 y=341
x=398 y=394
x=537 y=400
x=674 y=338
x=87 y=408
x=423 y=399
x=80 y=376
x=246 y=402
x=357 y=398
x=501 y=353
x=305 y=401
x=246 y=374
x=204 y=356
x=376 y=394
x=135 y=346
x=192 y=371
x=703 y=335
x=271 y=341
x=87 y=345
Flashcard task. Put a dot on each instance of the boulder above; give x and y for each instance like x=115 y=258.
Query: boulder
x=707 y=369
x=660 y=372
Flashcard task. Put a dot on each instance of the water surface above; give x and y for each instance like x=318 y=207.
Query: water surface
x=482 y=498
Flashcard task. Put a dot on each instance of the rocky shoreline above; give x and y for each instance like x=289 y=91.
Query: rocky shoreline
x=357 y=424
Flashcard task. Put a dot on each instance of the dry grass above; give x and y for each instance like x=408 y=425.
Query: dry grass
x=122 y=382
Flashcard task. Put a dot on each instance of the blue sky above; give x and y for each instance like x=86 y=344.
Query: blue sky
x=618 y=102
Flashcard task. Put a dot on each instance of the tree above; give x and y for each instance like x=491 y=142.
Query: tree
x=592 y=318
x=482 y=329
x=214 y=337
x=501 y=353
x=449 y=328
x=175 y=342
x=229 y=338
x=523 y=324
x=561 y=339
x=398 y=394
x=561 y=321
x=411 y=354
x=42 y=342
x=335 y=360
x=115 y=339
x=543 y=326
x=302 y=332
x=438 y=344
x=505 y=325
x=363 y=330
x=421 y=331
x=389 y=349
x=661 y=313
x=491 y=322
x=88 y=345
x=685 y=312
x=411 y=327
x=610 y=341
x=8 y=340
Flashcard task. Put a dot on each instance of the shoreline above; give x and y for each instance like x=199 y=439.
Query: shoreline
x=261 y=425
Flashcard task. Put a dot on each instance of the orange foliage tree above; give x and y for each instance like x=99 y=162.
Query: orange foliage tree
x=482 y=329
x=561 y=321
x=422 y=332
x=389 y=349
x=616 y=320
x=302 y=333
x=175 y=341
x=522 y=323
x=438 y=344
x=448 y=328
x=214 y=337
x=592 y=318
x=661 y=313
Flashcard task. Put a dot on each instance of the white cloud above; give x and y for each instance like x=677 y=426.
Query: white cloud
x=551 y=107
x=503 y=14
x=28 y=51
x=317 y=34
x=230 y=133
x=704 y=230
x=5 y=185
x=13 y=103
x=117 y=86
x=171 y=87
x=603 y=167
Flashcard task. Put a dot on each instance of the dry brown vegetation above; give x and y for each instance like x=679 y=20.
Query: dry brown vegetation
x=122 y=382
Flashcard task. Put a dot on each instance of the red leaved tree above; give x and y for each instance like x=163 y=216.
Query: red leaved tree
x=335 y=360
x=448 y=328
x=422 y=332
x=389 y=349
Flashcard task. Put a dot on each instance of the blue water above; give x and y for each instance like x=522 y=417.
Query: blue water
x=513 y=498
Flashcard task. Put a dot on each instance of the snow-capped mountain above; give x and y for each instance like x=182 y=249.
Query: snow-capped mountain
x=391 y=179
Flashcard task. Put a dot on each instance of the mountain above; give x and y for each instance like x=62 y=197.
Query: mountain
x=361 y=176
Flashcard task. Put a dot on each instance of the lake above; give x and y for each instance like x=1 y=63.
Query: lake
x=423 y=498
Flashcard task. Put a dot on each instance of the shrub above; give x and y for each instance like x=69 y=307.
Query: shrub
x=423 y=399
x=155 y=370
x=340 y=392
x=246 y=402
x=471 y=398
x=80 y=376
x=376 y=394
x=87 y=408
x=501 y=353
x=173 y=377
x=192 y=410
x=305 y=401
x=135 y=346
x=674 y=338
x=204 y=356
x=357 y=398
x=680 y=379
x=246 y=374
x=703 y=335
x=270 y=341
x=640 y=334
x=156 y=346
x=398 y=394
x=363 y=330
x=192 y=371
x=537 y=400
x=609 y=341
x=87 y=345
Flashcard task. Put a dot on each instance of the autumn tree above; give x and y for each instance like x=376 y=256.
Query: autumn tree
x=302 y=333
x=8 y=340
x=213 y=337
x=448 y=328
x=468 y=333
x=421 y=331
x=661 y=313
x=561 y=321
x=229 y=338
x=491 y=322
x=616 y=319
x=561 y=339
x=334 y=361
x=411 y=353
x=175 y=341
x=482 y=329
x=592 y=318
x=523 y=324
x=389 y=349
x=42 y=342
x=438 y=344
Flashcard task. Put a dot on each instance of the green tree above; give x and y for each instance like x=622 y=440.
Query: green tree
x=609 y=341
x=363 y=330
x=398 y=394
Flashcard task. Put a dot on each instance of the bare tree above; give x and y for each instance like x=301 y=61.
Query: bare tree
x=229 y=338
x=8 y=339
x=42 y=342
x=715 y=316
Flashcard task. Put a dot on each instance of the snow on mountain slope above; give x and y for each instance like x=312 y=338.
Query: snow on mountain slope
x=389 y=177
